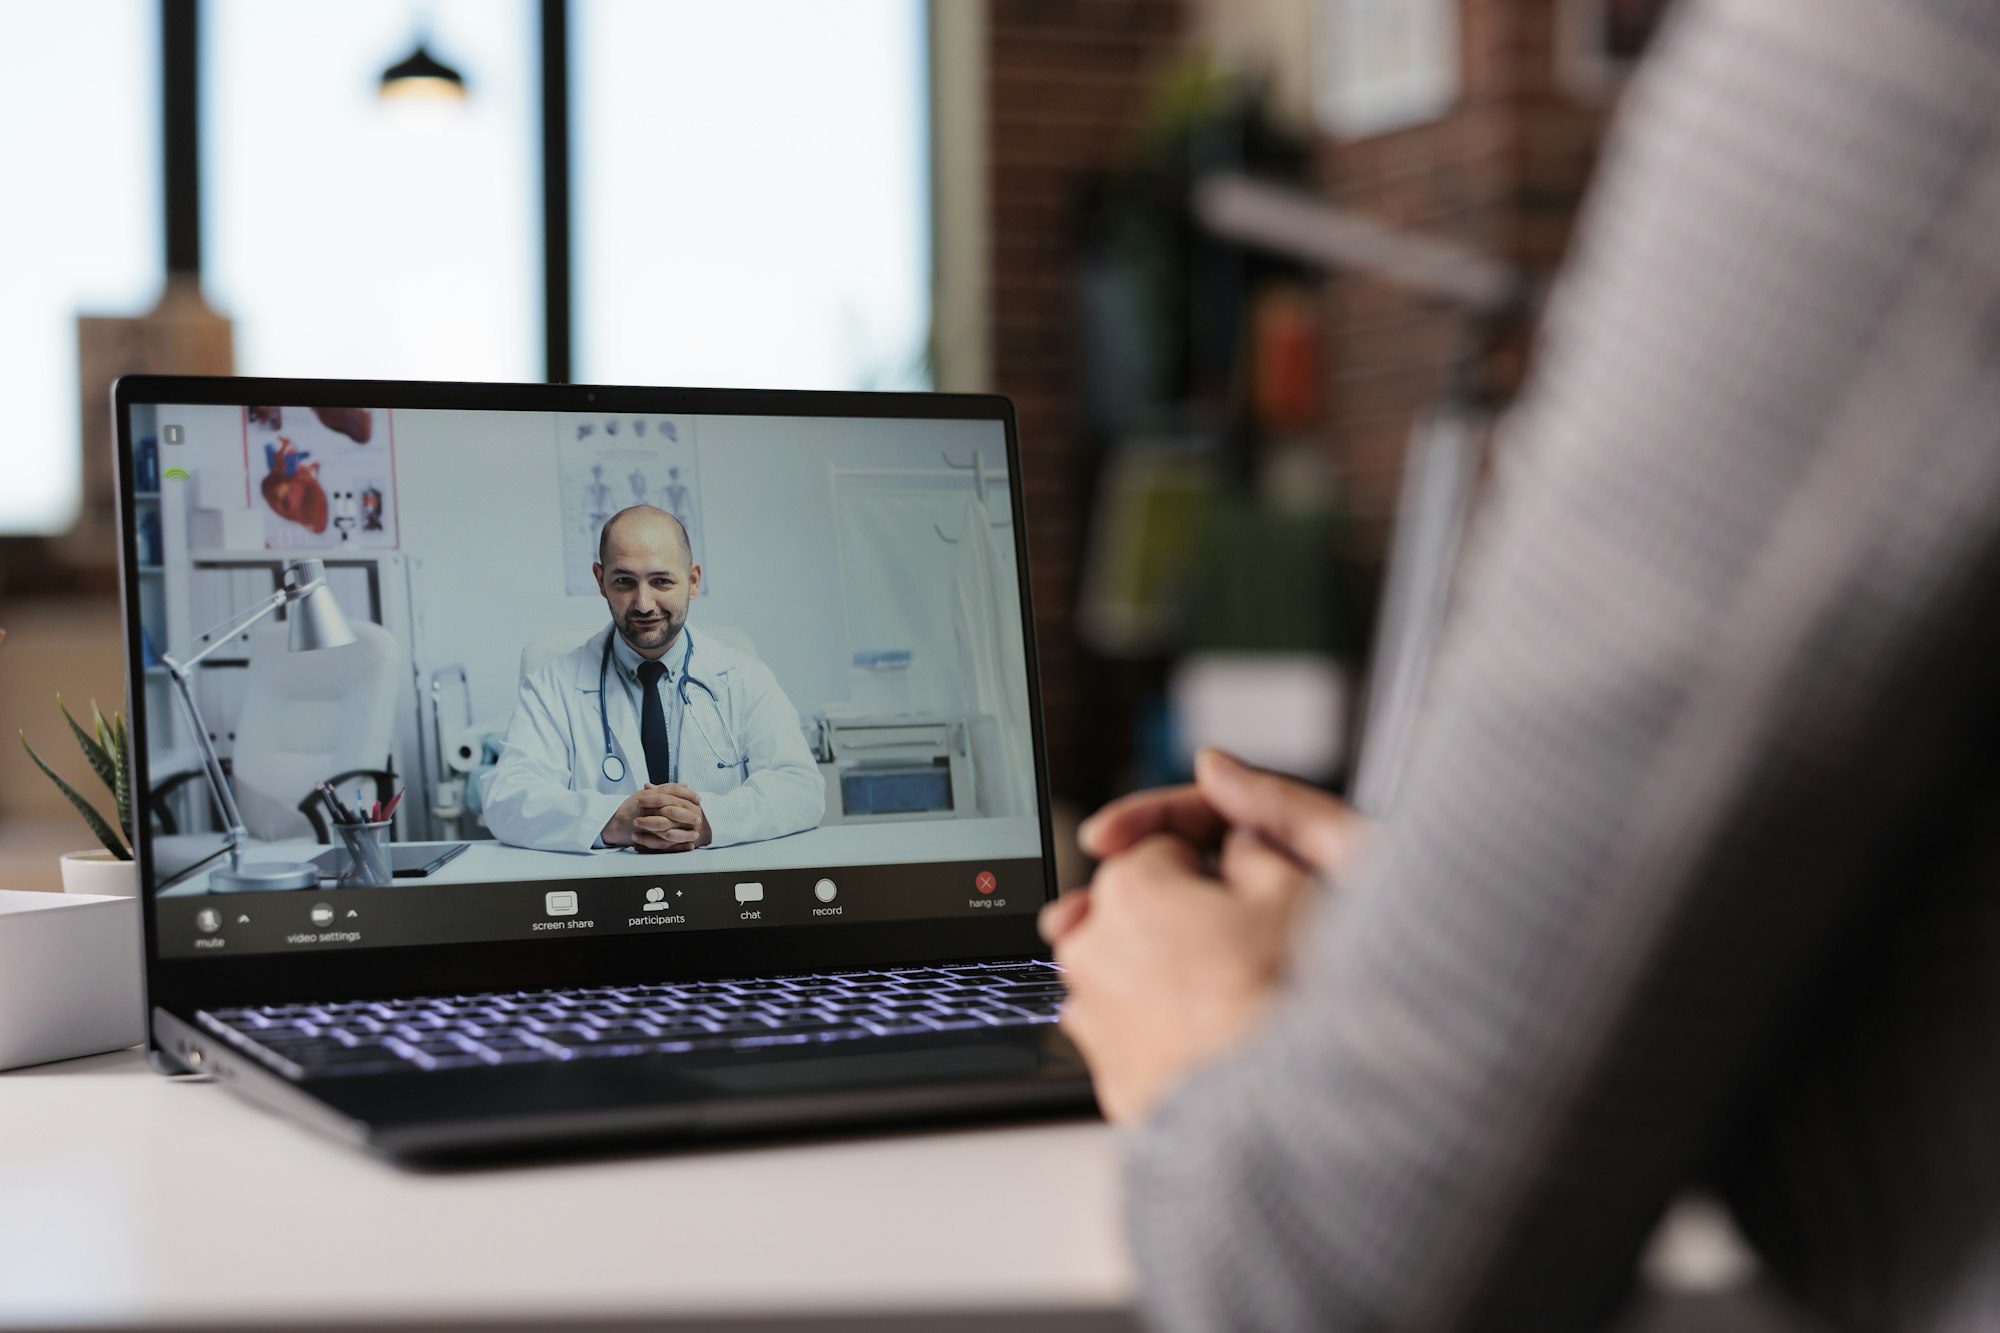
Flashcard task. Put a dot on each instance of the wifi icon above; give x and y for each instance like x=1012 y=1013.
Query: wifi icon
x=175 y=474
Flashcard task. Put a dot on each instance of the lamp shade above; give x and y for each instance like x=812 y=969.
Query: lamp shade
x=317 y=620
x=423 y=75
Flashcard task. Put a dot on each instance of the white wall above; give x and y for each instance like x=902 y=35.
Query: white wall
x=480 y=517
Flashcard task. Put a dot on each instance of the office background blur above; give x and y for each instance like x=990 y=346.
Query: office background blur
x=878 y=194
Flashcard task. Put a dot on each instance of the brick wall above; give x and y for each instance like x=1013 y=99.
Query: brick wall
x=1504 y=171
x=1067 y=81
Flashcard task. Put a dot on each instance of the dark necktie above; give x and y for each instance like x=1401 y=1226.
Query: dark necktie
x=653 y=722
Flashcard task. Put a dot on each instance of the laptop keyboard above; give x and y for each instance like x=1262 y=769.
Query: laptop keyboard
x=518 y=1027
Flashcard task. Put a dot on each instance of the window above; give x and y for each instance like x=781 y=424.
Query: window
x=80 y=134
x=342 y=240
x=750 y=182
x=751 y=192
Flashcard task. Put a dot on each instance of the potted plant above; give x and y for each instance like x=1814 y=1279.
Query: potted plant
x=110 y=870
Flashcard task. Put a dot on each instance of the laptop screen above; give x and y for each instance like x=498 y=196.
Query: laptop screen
x=470 y=676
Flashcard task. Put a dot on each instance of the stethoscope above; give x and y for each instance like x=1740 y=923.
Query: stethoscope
x=614 y=767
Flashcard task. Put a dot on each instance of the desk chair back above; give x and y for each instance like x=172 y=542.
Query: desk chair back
x=309 y=716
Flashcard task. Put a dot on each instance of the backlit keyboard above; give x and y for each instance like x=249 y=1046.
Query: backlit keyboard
x=513 y=1027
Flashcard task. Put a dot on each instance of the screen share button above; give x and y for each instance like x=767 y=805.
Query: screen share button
x=560 y=906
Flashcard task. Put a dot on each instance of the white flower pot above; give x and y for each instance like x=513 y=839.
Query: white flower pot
x=99 y=872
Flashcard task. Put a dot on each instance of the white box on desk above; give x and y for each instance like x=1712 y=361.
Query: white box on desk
x=70 y=971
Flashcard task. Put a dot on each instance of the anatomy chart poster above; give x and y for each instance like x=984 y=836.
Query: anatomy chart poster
x=322 y=477
x=609 y=462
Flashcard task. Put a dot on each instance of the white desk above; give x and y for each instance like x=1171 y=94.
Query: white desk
x=130 y=1201
x=830 y=845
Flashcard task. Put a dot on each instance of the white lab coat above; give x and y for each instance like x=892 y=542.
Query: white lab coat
x=549 y=790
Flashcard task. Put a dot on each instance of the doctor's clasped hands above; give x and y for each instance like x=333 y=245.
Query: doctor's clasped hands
x=659 y=817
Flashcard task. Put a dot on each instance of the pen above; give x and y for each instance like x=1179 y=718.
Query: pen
x=340 y=812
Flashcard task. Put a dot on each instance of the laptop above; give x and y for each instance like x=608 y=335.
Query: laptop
x=519 y=766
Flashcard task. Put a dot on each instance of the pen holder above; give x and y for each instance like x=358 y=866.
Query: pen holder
x=367 y=855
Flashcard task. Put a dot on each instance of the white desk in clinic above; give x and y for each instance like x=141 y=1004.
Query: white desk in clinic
x=131 y=1201
x=833 y=846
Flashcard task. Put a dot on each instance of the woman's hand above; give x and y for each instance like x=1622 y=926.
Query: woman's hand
x=1316 y=829
x=1169 y=962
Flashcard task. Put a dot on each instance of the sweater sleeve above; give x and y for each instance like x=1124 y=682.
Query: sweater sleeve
x=1699 y=605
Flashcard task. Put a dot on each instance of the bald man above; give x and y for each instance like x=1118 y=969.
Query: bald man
x=649 y=735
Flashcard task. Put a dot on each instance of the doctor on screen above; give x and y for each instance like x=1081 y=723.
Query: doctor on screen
x=651 y=734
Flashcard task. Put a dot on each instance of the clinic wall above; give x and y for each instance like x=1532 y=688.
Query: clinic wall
x=481 y=520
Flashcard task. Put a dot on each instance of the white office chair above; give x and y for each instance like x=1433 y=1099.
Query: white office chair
x=326 y=716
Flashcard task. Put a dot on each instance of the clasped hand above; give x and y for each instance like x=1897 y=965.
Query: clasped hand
x=1176 y=948
x=659 y=817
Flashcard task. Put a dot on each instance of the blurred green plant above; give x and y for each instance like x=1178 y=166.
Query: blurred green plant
x=106 y=752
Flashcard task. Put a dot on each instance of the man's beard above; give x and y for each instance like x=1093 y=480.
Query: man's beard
x=659 y=636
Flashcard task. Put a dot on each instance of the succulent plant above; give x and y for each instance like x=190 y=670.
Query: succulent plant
x=106 y=752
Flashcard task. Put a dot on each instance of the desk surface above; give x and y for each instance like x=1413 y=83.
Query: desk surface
x=132 y=1200
x=830 y=845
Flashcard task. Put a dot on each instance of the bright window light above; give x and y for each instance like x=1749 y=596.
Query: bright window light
x=346 y=238
x=80 y=137
x=752 y=193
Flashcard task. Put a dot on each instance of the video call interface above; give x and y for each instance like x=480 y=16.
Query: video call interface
x=476 y=675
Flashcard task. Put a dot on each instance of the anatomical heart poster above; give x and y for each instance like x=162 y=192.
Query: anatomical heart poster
x=610 y=462
x=323 y=477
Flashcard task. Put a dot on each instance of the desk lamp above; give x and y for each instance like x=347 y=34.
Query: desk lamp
x=317 y=623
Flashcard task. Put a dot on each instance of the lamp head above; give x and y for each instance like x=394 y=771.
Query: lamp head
x=317 y=620
x=423 y=92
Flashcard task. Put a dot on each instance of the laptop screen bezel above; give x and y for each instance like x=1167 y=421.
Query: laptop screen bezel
x=180 y=985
